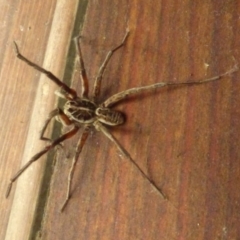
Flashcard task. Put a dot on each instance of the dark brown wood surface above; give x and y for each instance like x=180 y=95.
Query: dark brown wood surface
x=185 y=138
x=42 y=32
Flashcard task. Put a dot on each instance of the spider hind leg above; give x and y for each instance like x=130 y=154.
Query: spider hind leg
x=98 y=80
x=39 y=154
x=79 y=147
x=125 y=154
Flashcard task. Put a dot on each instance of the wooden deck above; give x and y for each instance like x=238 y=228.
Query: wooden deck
x=185 y=138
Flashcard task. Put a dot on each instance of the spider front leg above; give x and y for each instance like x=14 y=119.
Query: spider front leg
x=79 y=147
x=71 y=93
x=124 y=94
x=97 y=83
x=83 y=74
x=104 y=130
x=38 y=155
x=61 y=117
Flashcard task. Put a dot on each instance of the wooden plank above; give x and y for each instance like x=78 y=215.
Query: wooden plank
x=185 y=138
x=42 y=32
x=181 y=137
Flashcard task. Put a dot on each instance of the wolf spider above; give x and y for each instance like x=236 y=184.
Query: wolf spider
x=87 y=112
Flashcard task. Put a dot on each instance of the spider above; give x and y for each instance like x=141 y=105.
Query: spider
x=85 y=112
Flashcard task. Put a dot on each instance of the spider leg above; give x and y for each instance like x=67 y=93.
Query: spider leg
x=79 y=147
x=97 y=83
x=104 y=130
x=124 y=94
x=38 y=155
x=83 y=74
x=61 y=117
x=72 y=93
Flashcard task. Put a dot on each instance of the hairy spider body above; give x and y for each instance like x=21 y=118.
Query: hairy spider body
x=109 y=117
x=84 y=113
x=81 y=111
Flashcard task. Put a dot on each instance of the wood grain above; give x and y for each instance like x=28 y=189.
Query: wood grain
x=42 y=33
x=185 y=138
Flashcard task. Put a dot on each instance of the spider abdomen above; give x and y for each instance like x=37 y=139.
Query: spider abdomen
x=109 y=116
x=80 y=110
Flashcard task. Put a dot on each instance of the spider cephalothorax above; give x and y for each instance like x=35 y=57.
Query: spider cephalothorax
x=81 y=112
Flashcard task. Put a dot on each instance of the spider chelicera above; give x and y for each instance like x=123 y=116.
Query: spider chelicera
x=85 y=112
